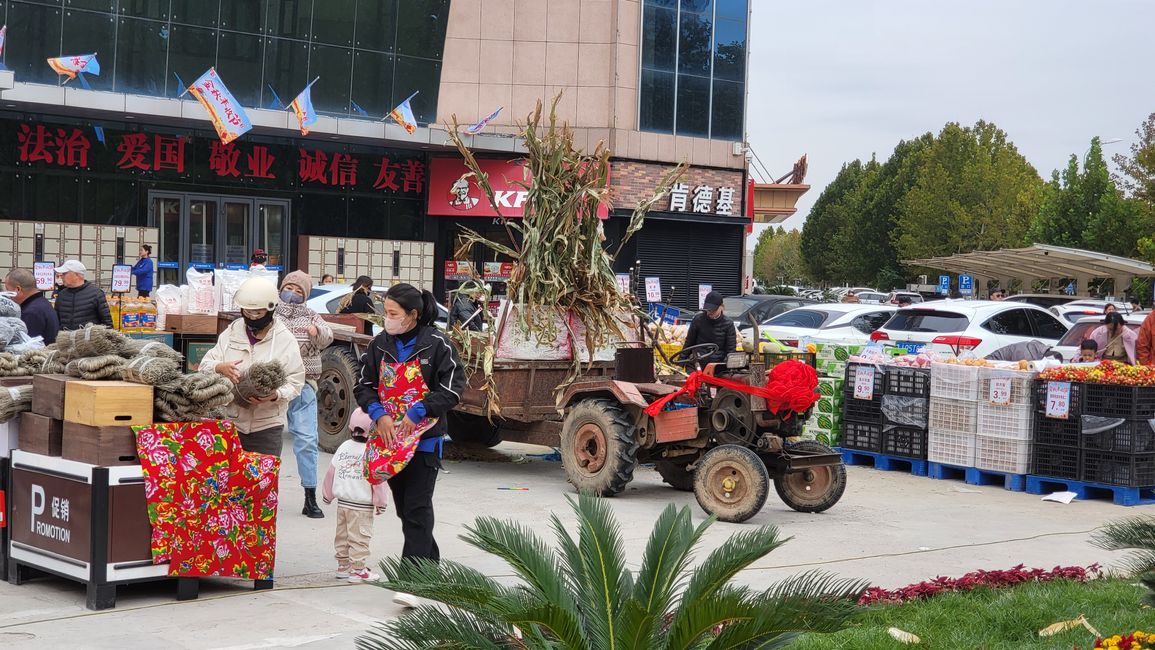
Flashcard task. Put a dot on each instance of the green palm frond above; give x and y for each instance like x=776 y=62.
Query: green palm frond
x=600 y=542
x=1133 y=534
x=448 y=582
x=529 y=556
x=694 y=624
x=736 y=553
x=428 y=627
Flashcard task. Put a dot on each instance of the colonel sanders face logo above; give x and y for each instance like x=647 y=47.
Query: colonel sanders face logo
x=459 y=196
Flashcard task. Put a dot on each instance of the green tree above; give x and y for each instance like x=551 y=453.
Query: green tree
x=778 y=258
x=582 y=595
x=971 y=190
x=832 y=212
x=1138 y=169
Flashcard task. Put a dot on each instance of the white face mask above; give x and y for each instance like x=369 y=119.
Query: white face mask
x=395 y=326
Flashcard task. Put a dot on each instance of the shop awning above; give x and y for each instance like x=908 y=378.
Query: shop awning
x=1040 y=261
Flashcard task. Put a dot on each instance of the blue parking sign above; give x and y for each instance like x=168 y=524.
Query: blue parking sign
x=944 y=284
x=966 y=284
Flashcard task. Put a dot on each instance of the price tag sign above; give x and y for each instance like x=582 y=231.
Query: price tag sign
x=864 y=383
x=624 y=282
x=1058 y=399
x=703 y=291
x=45 y=274
x=121 y=278
x=653 y=290
x=1000 y=391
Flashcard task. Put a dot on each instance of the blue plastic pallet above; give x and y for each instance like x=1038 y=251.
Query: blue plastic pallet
x=976 y=476
x=883 y=462
x=1121 y=496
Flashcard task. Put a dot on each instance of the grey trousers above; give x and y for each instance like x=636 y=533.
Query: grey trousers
x=267 y=441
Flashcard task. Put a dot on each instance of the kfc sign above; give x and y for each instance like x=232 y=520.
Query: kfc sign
x=450 y=195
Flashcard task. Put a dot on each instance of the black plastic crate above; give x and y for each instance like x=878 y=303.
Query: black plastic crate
x=1057 y=462
x=1062 y=433
x=862 y=436
x=772 y=359
x=1127 y=436
x=904 y=441
x=862 y=410
x=905 y=411
x=852 y=373
x=1128 y=470
x=912 y=382
x=1075 y=408
x=1119 y=401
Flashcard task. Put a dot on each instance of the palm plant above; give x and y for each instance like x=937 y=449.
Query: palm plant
x=1135 y=534
x=581 y=596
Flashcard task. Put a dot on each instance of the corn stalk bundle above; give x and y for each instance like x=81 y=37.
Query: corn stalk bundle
x=92 y=368
x=196 y=396
x=260 y=381
x=14 y=401
x=151 y=370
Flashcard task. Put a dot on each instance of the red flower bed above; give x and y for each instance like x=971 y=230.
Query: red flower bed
x=975 y=580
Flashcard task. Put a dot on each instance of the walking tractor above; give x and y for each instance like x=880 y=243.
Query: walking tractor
x=722 y=432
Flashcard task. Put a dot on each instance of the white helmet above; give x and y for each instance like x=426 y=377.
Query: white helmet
x=256 y=293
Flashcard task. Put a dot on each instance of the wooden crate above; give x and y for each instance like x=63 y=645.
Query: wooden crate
x=48 y=395
x=107 y=403
x=191 y=323
x=40 y=435
x=12 y=382
x=104 y=446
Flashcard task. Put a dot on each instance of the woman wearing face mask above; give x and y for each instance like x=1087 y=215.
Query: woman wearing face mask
x=360 y=301
x=257 y=337
x=1116 y=340
x=313 y=335
x=411 y=357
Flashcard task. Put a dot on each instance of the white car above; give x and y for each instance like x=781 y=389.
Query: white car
x=326 y=299
x=1068 y=346
x=872 y=297
x=850 y=324
x=978 y=326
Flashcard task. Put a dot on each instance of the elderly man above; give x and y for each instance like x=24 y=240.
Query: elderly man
x=35 y=310
x=79 y=303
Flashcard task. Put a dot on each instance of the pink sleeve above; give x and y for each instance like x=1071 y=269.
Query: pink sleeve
x=327 y=485
x=381 y=495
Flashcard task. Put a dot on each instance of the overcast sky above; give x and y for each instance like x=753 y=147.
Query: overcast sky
x=842 y=79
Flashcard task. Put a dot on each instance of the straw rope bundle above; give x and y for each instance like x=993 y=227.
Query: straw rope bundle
x=151 y=370
x=14 y=401
x=152 y=349
x=260 y=381
x=91 y=368
x=191 y=397
x=94 y=341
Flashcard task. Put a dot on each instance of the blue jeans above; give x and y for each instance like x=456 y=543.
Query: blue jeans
x=303 y=426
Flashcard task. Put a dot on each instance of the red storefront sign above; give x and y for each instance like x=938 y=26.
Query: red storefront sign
x=497 y=271
x=458 y=270
x=452 y=196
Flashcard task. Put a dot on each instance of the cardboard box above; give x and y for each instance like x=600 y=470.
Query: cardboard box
x=191 y=323
x=40 y=435
x=104 y=446
x=831 y=387
x=107 y=403
x=48 y=395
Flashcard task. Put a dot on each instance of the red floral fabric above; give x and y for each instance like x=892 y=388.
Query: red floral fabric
x=400 y=387
x=212 y=506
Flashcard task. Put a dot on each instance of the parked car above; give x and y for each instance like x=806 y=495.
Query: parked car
x=1046 y=300
x=752 y=308
x=326 y=299
x=980 y=326
x=837 y=323
x=1075 y=311
x=871 y=297
x=1068 y=346
x=892 y=299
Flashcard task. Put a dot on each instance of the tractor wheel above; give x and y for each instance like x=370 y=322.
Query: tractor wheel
x=335 y=401
x=472 y=430
x=731 y=483
x=598 y=449
x=815 y=489
x=676 y=475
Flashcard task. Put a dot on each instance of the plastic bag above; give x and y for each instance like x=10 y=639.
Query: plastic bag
x=167 y=302
x=202 y=298
x=905 y=411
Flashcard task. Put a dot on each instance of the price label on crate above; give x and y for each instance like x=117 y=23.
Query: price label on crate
x=1058 y=399
x=1000 y=391
x=864 y=383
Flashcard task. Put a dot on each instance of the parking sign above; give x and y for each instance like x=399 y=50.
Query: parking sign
x=966 y=284
x=944 y=284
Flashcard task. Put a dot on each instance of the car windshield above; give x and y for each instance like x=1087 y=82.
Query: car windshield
x=1080 y=314
x=927 y=320
x=808 y=318
x=1081 y=331
x=735 y=307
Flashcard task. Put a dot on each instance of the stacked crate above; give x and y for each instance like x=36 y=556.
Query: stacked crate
x=85 y=421
x=862 y=416
x=1057 y=446
x=953 y=426
x=905 y=410
x=830 y=360
x=1005 y=421
x=1117 y=435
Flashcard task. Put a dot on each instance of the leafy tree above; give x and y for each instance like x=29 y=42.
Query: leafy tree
x=1138 y=169
x=832 y=212
x=778 y=259
x=583 y=596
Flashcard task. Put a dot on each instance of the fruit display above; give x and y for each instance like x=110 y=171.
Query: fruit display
x=1105 y=372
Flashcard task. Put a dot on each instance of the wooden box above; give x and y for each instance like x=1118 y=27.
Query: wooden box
x=40 y=435
x=107 y=403
x=191 y=323
x=13 y=382
x=103 y=446
x=48 y=395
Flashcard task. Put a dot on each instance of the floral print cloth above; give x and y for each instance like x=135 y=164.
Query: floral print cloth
x=400 y=387
x=212 y=506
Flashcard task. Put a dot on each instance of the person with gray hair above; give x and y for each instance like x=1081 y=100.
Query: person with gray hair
x=35 y=310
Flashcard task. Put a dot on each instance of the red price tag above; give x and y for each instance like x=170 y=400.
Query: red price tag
x=1058 y=399
x=864 y=383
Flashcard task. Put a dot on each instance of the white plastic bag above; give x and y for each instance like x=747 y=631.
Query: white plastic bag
x=167 y=302
x=202 y=297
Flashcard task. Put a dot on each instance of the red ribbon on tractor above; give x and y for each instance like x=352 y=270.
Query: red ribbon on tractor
x=791 y=386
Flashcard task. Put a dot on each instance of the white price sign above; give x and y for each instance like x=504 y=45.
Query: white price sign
x=624 y=282
x=45 y=274
x=121 y=278
x=653 y=290
x=1058 y=399
x=703 y=291
x=1000 y=391
x=864 y=383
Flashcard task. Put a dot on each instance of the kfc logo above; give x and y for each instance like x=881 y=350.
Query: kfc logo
x=459 y=197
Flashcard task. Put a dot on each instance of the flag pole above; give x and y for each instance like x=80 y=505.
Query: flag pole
x=406 y=99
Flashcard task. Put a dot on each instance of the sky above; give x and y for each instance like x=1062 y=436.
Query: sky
x=845 y=79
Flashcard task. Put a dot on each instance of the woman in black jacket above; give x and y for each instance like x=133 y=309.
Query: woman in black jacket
x=361 y=301
x=410 y=347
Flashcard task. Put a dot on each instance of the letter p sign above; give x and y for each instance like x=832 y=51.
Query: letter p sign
x=37 y=504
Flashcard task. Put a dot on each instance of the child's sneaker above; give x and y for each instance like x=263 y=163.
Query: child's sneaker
x=359 y=575
x=342 y=572
x=409 y=601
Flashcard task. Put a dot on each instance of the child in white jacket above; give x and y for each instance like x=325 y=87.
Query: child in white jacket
x=357 y=501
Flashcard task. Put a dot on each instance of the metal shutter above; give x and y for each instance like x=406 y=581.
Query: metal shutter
x=685 y=255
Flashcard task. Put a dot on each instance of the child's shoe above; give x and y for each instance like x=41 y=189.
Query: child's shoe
x=360 y=575
x=342 y=572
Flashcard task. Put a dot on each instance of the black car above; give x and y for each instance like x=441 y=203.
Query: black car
x=743 y=309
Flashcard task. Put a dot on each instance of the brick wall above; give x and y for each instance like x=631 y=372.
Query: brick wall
x=633 y=181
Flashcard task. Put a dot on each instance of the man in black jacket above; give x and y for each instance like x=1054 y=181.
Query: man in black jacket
x=35 y=310
x=466 y=311
x=711 y=326
x=79 y=303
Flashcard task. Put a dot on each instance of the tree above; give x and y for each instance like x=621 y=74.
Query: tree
x=778 y=258
x=832 y=212
x=582 y=595
x=1138 y=169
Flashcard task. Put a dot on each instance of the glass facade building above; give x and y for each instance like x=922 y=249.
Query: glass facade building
x=369 y=54
x=693 y=67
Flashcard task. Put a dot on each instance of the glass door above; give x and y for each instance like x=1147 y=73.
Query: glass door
x=238 y=243
x=166 y=212
x=271 y=225
x=202 y=233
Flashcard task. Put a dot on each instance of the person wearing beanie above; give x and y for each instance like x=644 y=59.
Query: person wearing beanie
x=711 y=326
x=313 y=335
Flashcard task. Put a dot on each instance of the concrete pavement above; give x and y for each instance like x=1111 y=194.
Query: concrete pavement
x=890 y=529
